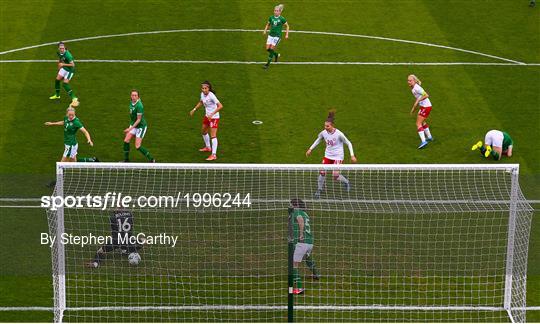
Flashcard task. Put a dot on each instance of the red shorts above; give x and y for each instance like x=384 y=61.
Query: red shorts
x=213 y=123
x=424 y=111
x=326 y=160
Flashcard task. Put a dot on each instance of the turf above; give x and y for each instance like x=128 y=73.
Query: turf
x=372 y=101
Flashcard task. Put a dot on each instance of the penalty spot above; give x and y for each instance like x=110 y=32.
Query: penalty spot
x=256 y=122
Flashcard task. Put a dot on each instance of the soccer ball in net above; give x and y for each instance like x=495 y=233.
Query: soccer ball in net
x=134 y=258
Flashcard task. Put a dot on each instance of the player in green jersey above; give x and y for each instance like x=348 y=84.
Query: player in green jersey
x=66 y=69
x=275 y=23
x=71 y=125
x=303 y=240
x=137 y=127
x=497 y=143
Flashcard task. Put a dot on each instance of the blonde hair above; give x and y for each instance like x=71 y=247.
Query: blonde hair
x=279 y=7
x=415 y=78
x=70 y=108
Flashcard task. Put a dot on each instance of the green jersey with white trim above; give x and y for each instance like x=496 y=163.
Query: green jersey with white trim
x=276 y=25
x=134 y=110
x=66 y=58
x=507 y=141
x=308 y=235
x=70 y=130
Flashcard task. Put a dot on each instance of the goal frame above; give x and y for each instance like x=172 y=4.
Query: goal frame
x=59 y=265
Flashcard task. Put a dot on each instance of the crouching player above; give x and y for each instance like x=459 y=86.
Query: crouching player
x=303 y=241
x=496 y=144
x=121 y=231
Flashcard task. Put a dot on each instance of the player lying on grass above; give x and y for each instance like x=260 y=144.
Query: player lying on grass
x=66 y=69
x=497 y=144
x=210 y=120
x=425 y=108
x=121 y=222
x=71 y=125
x=275 y=23
x=334 y=153
x=137 y=127
x=303 y=243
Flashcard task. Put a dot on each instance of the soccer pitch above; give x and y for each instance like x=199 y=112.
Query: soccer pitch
x=483 y=74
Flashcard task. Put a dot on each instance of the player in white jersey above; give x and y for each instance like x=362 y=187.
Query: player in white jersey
x=334 y=153
x=422 y=100
x=210 y=120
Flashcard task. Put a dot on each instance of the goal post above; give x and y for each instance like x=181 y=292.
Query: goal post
x=428 y=243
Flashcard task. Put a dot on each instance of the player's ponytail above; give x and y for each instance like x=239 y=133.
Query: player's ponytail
x=331 y=116
x=207 y=83
x=279 y=7
x=415 y=78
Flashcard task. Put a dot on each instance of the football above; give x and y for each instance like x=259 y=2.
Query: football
x=74 y=103
x=134 y=258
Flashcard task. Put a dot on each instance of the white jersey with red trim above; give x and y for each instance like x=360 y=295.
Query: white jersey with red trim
x=418 y=92
x=210 y=102
x=334 y=144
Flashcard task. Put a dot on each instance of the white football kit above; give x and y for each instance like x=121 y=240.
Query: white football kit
x=334 y=144
x=210 y=102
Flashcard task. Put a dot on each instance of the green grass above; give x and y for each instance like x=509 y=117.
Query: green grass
x=372 y=101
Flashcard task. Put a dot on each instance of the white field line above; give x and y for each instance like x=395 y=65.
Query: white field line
x=281 y=63
x=269 y=307
x=397 y=40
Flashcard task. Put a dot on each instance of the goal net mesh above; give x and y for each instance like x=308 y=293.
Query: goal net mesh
x=444 y=243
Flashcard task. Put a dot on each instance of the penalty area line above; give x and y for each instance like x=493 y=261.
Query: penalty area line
x=281 y=63
x=397 y=40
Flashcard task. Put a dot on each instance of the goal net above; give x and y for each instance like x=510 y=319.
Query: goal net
x=427 y=243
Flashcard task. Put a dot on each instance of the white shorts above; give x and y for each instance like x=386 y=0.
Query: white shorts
x=301 y=250
x=65 y=74
x=138 y=132
x=494 y=138
x=70 y=151
x=271 y=40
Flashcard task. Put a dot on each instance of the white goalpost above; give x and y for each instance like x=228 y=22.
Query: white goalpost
x=425 y=243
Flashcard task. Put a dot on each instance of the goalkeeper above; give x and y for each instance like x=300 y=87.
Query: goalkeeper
x=496 y=144
x=303 y=240
x=121 y=231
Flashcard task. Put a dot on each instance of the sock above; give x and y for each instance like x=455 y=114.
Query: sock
x=426 y=131
x=320 y=182
x=482 y=150
x=57 y=87
x=145 y=153
x=421 y=134
x=86 y=159
x=100 y=255
x=276 y=54
x=214 y=145
x=311 y=265
x=126 y=151
x=206 y=139
x=341 y=178
x=495 y=155
x=296 y=278
x=69 y=91
x=270 y=55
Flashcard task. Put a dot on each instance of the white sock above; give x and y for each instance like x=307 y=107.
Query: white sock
x=342 y=179
x=206 y=139
x=427 y=132
x=214 y=145
x=320 y=182
x=422 y=136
